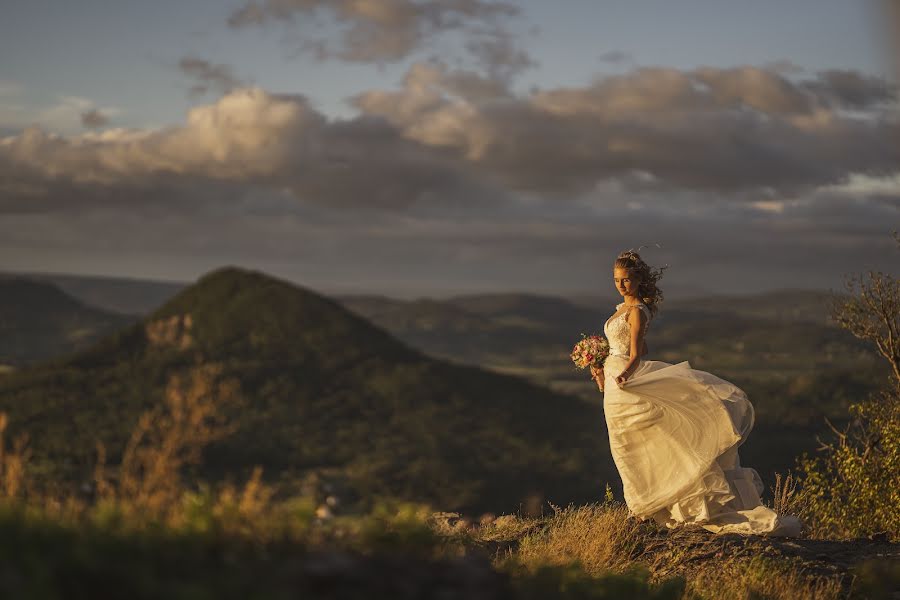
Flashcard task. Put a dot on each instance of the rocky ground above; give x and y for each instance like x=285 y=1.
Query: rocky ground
x=686 y=550
x=813 y=557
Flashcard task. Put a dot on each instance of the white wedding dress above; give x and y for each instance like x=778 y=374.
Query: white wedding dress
x=674 y=433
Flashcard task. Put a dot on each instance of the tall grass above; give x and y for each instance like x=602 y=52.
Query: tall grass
x=147 y=489
x=148 y=482
x=143 y=509
x=600 y=537
x=12 y=463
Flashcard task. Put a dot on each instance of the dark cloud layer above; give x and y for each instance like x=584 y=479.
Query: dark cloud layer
x=735 y=249
x=452 y=136
x=747 y=177
x=852 y=90
x=719 y=129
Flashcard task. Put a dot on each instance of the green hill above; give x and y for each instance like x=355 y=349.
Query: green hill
x=326 y=395
x=38 y=320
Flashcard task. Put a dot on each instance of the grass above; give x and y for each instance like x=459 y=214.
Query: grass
x=601 y=539
x=141 y=529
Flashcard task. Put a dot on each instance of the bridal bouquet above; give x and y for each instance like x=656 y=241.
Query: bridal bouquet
x=591 y=350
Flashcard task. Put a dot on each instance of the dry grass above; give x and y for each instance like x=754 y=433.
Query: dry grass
x=785 y=495
x=164 y=441
x=147 y=488
x=758 y=577
x=13 y=480
x=507 y=527
x=147 y=492
x=600 y=537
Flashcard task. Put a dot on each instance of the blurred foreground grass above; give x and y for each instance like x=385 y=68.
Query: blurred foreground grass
x=140 y=530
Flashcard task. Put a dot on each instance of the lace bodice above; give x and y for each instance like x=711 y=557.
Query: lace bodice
x=618 y=331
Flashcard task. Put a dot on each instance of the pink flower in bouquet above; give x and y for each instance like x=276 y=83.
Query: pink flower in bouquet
x=591 y=350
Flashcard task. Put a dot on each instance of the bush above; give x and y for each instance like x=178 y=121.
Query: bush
x=853 y=488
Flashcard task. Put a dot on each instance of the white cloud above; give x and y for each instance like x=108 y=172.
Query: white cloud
x=858 y=184
x=249 y=137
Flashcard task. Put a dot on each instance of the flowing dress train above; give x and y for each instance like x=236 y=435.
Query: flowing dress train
x=674 y=433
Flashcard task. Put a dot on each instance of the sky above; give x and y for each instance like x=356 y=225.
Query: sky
x=437 y=147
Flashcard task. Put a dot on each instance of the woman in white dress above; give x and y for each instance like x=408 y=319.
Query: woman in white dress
x=674 y=431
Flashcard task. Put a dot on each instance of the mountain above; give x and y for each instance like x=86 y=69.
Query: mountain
x=325 y=394
x=38 y=320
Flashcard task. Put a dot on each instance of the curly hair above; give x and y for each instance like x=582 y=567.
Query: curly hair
x=648 y=290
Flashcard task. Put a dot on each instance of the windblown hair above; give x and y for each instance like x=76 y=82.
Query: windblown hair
x=648 y=290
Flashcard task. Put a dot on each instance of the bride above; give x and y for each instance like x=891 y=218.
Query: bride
x=674 y=431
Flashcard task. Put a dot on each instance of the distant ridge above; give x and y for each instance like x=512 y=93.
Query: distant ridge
x=139 y=296
x=38 y=320
x=131 y=296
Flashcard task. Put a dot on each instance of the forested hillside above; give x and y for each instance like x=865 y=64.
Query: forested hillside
x=325 y=395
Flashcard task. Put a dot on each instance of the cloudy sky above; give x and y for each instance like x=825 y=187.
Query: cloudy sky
x=432 y=147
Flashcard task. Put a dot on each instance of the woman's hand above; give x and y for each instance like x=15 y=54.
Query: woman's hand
x=597 y=374
x=623 y=377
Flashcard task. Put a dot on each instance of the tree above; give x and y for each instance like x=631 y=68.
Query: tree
x=872 y=313
x=852 y=488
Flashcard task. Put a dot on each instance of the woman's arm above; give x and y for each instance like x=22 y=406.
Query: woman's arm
x=597 y=374
x=636 y=321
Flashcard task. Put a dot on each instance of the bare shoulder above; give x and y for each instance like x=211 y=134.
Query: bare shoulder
x=639 y=316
